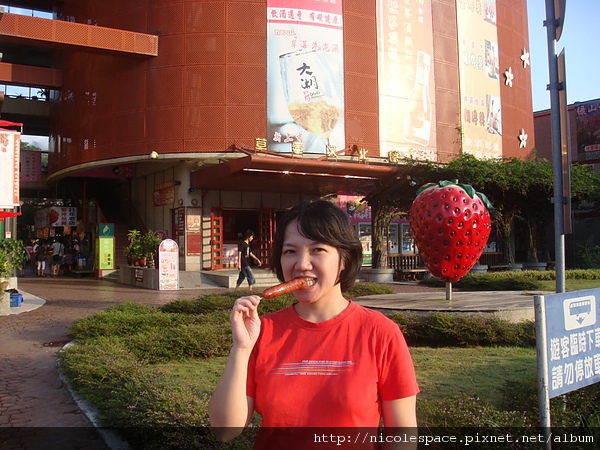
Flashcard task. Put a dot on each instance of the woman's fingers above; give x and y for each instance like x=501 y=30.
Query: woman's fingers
x=246 y=305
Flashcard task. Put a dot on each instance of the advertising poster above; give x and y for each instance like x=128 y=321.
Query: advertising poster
x=305 y=84
x=587 y=117
x=480 y=78
x=31 y=166
x=106 y=253
x=405 y=70
x=10 y=144
x=168 y=265
x=164 y=194
x=55 y=216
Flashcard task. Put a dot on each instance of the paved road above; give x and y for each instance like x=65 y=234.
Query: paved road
x=36 y=410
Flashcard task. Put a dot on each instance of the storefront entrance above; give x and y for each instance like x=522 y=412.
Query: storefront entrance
x=229 y=228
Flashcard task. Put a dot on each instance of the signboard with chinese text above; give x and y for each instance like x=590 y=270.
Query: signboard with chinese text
x=106 y=252
x=480 y=77
x=164 y=194
x=10 y=144
x=55 y=216
x=168 y=265
x=31 y=166
x=405 y=73
x=572 y=340
x=587 y=118
x=305 y=78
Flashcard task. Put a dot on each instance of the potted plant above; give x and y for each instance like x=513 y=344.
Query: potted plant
x=11 y=257
x=149 y=246
x=132 y=249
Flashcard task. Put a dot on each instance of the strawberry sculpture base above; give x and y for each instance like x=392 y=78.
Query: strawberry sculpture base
x=450 y=224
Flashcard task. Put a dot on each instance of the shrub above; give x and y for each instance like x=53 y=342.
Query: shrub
x=512 y=281
x=446 y=329
x=125 y=319
x=495 y=281
x=177 y=343
x=201 y=305
x=223 y=303
x=367 y=288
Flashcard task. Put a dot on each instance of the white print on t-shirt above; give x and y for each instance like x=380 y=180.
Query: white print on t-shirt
x=308 y=367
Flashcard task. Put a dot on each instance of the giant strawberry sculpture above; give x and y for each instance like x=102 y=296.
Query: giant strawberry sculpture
x=450 y=223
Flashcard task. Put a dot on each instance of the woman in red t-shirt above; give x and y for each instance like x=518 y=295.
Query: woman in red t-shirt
x=324 y=362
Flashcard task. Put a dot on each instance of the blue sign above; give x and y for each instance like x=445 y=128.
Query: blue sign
x=572 y=341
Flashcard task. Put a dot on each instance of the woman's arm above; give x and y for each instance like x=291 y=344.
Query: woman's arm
x=400 y=417
x=230 y=409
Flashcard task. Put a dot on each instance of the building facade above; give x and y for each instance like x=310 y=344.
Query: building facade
x=205 y=118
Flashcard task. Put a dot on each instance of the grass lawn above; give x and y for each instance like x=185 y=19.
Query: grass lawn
x=476 y=372
x=442 y=373
x=571 y=285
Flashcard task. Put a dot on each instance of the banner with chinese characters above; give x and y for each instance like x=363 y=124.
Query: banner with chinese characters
x=587 y=118
x=55 y=216
x=305 y=75
x=31 y=166
x=164 y=194
x=10 y=144
x=405 y=70
x=479 y=72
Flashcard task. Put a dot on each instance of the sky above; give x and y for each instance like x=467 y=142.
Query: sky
x=580 y=41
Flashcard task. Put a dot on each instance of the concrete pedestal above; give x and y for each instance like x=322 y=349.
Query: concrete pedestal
x=377 y=275
x=139 y=276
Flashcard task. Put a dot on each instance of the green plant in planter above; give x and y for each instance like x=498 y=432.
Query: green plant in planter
x=149 y=245
x=12 y=257
x=133 y=249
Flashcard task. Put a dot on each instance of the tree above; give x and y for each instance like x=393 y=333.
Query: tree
x=518 y=190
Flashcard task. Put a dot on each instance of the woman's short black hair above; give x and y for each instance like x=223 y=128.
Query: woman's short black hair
x=325 y=222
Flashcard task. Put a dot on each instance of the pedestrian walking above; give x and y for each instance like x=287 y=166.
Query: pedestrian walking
x=244 y=255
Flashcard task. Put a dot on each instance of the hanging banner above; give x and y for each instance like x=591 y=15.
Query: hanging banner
x=31 y=166
x=305 y=75
x=10 y=144
x=55 y=216
x=479 y=71
x=405 y=74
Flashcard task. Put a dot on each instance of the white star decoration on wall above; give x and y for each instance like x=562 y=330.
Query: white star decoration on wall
x=523 y=139
x=509 y=77
x=525 y=58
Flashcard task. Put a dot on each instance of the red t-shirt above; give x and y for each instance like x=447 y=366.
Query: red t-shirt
x=329 y=374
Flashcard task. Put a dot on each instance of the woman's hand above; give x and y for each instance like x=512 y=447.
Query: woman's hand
x=245 y=323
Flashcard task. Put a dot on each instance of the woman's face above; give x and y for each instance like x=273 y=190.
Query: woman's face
x=302 y=257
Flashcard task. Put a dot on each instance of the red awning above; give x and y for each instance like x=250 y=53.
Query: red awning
x=5 y=214
x=269 y=173
x=7 y=123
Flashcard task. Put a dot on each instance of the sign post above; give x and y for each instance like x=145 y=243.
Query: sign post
x=568 y=346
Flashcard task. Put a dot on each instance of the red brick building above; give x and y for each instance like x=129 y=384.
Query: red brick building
x=176 y=115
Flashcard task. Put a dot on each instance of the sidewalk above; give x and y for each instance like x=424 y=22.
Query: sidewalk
x=36 y=410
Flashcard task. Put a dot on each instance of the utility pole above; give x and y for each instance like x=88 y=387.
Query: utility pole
x=555 y=12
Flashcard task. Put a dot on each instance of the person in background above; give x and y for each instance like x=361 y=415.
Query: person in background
x=244 y=255
x=58 y=251
x=26 y=259
x=39 y=250
x=324 y=362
